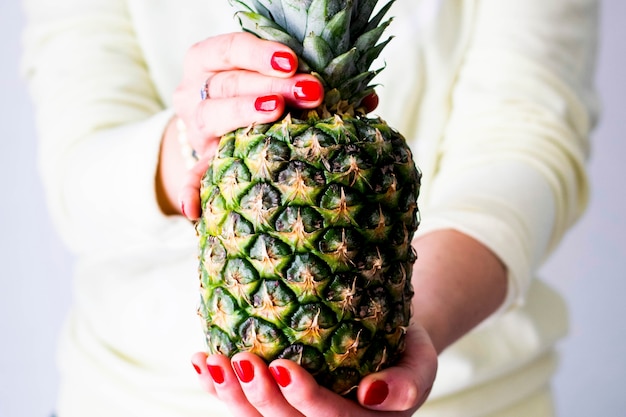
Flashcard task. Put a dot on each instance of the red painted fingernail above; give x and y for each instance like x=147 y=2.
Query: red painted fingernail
x=283 y=61
x=182 y=208
x=244 y=370
x=216 y=373
x=370 y=102
x=266 y=103
x=307 y=90
x=377 y=393
x=197 y=368
x=281 y=375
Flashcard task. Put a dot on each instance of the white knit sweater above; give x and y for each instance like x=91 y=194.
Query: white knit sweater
x=494 y=96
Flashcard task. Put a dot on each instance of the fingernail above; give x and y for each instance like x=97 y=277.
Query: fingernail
x=307 y=90
x=216 y=373
x=197 y=368
x=283 y=61
x=281 y=375
x=182 y=210
x=370 y=102
x=266 y=103
x=244 y=370
x=377 y=393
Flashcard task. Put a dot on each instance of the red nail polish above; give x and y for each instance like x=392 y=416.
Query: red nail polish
x=377 y=393
x=197 y=368
x=266 y=103
x=281 y=375
x=182 y=208
x=283 y=61
x=216 y=373
x=370 y=102
x=244 y=370
x=307 y=90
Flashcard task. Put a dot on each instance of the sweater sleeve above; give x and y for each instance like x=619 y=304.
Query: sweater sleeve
x=99 y=120
x=511 y=164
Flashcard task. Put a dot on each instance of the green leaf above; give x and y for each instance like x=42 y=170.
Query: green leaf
x=366 y=59
x=379 y=16
x=355 y=85
x=317 y=17
x=336 y=33
x=341 y=68
x=316 y=52
x=275 y=8
x=367 y=40
x=296 y=14
x=267 y=29
x=361 y=13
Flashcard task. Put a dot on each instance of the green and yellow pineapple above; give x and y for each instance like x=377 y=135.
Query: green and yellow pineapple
x=305 y=237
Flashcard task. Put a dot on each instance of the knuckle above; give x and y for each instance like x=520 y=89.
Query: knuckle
x=261 y=400
x=224 y=84
x=226 y=47
x=192 y=55
x=203 y=119
x=309 y=399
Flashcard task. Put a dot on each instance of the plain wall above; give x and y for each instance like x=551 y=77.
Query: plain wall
x=589 y=268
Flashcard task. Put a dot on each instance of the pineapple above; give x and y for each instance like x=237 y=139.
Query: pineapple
x=305 y=235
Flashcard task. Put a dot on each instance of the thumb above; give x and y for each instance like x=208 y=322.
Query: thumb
x=189 y=194
x=406 y=385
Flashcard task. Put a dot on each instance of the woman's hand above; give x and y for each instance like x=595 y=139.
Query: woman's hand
x=458 y=282
x=246 y=80
x=284 y=389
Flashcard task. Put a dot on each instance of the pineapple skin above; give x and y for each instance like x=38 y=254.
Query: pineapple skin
x=305 y=245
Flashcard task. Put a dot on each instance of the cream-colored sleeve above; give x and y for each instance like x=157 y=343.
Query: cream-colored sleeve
x=511 y=169
x=99 y=119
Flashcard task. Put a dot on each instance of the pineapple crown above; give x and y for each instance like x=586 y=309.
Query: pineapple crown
x=335 y=40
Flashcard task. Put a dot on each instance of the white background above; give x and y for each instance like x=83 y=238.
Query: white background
x=589 y=268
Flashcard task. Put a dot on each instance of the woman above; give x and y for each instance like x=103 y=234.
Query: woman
x=496 y=99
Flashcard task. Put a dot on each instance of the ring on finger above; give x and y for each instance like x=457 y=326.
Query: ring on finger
x=204 y=91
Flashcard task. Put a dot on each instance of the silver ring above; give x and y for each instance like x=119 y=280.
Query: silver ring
x=204 y=91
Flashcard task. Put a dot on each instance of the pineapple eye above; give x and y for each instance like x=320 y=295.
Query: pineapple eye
x=259 y=205
x=294 y=217
x=299 y=183
x=273 y=301
x=269 y=255
x=235 y=172
x=340 y=206
x=308 y=357
x=307 y=275
x=313 y=315
x=267 y=246
x=344 y=293
x=226 y=146
x=239 y=272
x=270 y=150
x=219 y=342
x=339 y=247
x=261 y=338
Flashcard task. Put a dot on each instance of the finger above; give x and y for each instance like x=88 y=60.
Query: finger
x=370 y=102
x=405 y=386
x=302 y=90
x=189 y=194
x=260 y=387
x=240 y=51
x=305 y=395
x=228 y=388
x=198 y=360
x=217 y=117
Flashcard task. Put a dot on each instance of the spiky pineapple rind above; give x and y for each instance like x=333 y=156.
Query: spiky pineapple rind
x=329 y=276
